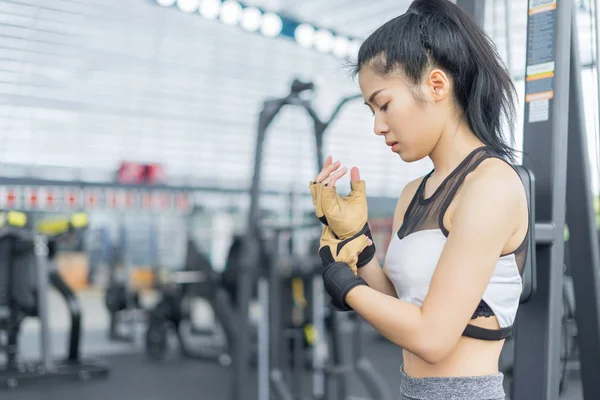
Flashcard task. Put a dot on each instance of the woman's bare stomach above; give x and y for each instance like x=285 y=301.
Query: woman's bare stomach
x=470 y=357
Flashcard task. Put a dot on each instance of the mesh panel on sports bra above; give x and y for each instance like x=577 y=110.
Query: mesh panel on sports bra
x=428 y=213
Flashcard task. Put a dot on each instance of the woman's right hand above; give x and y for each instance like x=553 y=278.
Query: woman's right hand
x=346 y=215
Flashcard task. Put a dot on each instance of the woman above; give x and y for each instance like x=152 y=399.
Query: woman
x=449 y=290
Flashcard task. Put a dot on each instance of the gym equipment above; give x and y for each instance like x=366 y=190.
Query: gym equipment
x=568 y=343
x=120 y=301
x=24 y=298
x=304 y=284
x=555 y=150
x=258 y=262
x=198 y=279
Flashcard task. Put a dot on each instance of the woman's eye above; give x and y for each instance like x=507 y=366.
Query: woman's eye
x=384 y=107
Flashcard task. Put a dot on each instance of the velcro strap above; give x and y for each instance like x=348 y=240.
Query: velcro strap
x=477 y=332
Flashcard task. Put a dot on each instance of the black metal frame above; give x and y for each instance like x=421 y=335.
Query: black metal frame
x=583 y=261
x=335 y=381
x=555 y=150
x=18 y=282
x=198 y=279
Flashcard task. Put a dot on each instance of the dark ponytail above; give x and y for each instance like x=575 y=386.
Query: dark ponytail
x=437 y=33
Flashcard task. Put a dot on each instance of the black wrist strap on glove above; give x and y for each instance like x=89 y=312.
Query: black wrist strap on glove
x=364 y=257
x=339 y=280
x=368 y=253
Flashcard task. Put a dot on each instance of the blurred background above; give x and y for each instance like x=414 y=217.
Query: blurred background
x=143 y=114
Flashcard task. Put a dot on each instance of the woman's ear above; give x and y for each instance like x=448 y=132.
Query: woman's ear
x=439 y=85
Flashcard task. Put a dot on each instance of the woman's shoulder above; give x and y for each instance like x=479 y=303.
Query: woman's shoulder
x=493 y=193
x=493 y=171
x=497 y=177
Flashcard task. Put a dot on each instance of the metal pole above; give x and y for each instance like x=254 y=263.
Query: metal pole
x=584 y=253
x=263 y=340
x=537 y=328
x=475 y=8
x=376 y=386
x=596 y=25
x=508 y=23
x=41 y=254
x=277 y=346
x=320 y=348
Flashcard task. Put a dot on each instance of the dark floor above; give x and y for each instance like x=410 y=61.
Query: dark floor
x=133 y=377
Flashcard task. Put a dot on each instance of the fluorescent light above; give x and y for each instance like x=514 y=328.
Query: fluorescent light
x=209 y=9
x=251 y=19
x=165 y=3
x=231 y=12
x=323 y=40
x=271 y=25
x=304 y=35
x=341 y=44
x=187 y=6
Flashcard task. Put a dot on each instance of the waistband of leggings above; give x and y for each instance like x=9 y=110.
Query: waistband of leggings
x=468 y=387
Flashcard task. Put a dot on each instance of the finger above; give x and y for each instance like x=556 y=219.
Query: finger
x=328 y=161
x=354 y=174
x=353 y=266
x=326 y=171
x=332 y=174
x=333 y=178
x=369 y=242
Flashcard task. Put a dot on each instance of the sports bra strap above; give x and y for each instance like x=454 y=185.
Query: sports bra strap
x=477 y=332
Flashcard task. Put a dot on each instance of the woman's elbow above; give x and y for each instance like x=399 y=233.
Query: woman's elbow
x=432 y=349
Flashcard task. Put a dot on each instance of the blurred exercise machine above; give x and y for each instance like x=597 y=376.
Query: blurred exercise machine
x=555 y=150
x=119 y=299
x=258 y=260
x=173 y=311
x=27 y=266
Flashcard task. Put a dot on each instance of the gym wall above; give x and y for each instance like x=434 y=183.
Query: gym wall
x=85 y=85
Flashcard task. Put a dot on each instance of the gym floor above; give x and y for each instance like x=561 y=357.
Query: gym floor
x=133 y=376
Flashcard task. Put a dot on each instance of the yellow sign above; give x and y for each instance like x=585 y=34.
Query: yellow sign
x=79 y=220
x=13 y=218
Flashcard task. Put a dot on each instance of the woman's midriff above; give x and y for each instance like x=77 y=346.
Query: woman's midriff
x=470 y=357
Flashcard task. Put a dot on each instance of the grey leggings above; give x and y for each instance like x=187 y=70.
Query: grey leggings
x=488 y=387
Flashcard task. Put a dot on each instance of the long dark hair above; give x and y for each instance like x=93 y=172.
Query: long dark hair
x=437 y=33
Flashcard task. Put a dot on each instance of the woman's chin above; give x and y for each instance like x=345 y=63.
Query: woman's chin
x=407 y=156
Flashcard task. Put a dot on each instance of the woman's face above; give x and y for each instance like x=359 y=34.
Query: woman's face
x=410 y=119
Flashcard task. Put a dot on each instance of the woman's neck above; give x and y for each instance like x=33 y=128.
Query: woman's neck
x=452 y=148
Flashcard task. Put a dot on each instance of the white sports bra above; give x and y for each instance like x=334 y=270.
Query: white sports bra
x=415 y=250
x=410 y=263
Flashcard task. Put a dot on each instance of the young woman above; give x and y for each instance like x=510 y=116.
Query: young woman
x=449 y=289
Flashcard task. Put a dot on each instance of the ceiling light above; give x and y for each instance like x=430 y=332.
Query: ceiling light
x=304 y=35
x=271 y=25
x=323 y=40
x=231 y=12
x=209 y=9
x=251 y=19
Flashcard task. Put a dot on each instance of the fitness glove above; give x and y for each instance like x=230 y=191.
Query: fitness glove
x=339 y=258
x=354 y=251
x=338 y=280
x=346 y=215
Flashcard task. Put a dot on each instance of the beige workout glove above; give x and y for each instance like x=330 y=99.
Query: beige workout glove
x=345 y=215
x=332 y=249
